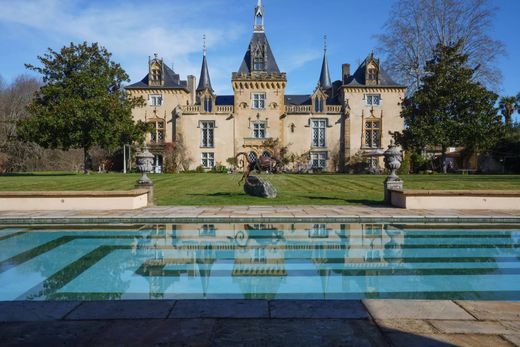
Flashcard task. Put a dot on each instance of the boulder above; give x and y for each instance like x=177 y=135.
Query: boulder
x=256 y=186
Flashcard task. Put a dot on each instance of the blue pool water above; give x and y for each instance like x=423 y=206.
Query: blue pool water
x=267 y=261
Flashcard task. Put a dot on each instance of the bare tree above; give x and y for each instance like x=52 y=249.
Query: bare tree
x=415 y=27
x=13 y=101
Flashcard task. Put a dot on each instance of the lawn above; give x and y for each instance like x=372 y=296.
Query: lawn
x=223 y=189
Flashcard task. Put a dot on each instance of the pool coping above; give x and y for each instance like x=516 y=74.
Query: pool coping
x=261 y=214
x=232 y=220
x=368 y=322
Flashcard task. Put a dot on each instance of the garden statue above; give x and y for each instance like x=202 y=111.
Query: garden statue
x=263 y=163
x=393 y=159
x=144 y=161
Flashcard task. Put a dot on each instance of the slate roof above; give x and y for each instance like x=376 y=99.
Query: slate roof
x=358 y=78
x=204 y=81
x=225 y=100
x=297 y=99
x=306 y=100
x=171 y=81
x=270 y=62
x=324 y=81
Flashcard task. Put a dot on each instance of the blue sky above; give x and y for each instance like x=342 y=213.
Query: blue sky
x=133 y=30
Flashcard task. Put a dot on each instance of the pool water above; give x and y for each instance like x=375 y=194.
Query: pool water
x=260 y=261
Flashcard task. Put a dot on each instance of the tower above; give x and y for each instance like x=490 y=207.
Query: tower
x=325 y=82
x=205 y=93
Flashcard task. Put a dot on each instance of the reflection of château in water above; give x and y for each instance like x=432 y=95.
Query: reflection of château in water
x=262 y=256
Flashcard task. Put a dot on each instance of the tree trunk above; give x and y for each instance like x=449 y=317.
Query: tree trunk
x=86 y=160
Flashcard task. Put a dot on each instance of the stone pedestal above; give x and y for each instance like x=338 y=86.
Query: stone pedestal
x=392 y=184
x=257 y=186
x=148 y=186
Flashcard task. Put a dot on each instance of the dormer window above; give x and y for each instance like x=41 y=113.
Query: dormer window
x=156 y=75
x=319 y=104
x=372 y=74
x=207 y=103
x=258 y=64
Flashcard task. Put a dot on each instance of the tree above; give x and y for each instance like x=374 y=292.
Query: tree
x=416 y=27
x=507 y=106
x=450 y=108
x=82 y=102
x=14 y=99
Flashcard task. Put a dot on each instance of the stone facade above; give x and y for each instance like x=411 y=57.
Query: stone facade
x=351 y=115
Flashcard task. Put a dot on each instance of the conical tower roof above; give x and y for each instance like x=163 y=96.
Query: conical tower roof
x=205 y=80
x=325 y=82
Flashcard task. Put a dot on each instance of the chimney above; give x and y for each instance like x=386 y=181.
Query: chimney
x=192 y=82
x=345 y=72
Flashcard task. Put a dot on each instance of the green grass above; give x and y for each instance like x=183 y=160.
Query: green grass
x=223 y=189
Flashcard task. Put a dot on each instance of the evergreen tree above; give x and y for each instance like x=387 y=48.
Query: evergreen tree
x=82 y=103
x=450 y=108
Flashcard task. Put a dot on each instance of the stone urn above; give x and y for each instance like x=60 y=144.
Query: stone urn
x=393 y=159
x=144 y=161
x=257 y=186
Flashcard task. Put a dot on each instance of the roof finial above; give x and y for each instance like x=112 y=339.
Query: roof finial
x=155 y=55
x=204 y=44
x=259 y=17
x=325 y=43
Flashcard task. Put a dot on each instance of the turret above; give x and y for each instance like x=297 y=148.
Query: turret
x=325 y=82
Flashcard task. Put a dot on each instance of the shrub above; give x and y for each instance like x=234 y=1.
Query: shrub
x=219 y=168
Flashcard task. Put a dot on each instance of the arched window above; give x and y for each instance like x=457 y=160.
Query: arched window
x=266 y=154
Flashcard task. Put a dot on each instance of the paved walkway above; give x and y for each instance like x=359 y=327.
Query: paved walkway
x=203 y=214
x=260 y=323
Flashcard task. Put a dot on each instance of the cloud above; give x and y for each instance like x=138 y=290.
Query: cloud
x=131 y=30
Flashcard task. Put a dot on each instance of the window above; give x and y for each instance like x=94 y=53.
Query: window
x=208 y=160
x=319 y=231
x=259 y=130
x=207 y=230
x=372 y=74
x=258 y=101
x=207 y=133
x=258 y=64
x=252 y=156
x=318 y=104
x=372 y=133
x=318 y=132
x=156 y=74
x=373 y=99
x=157 y=132
x=208 y=104
x=319 y=160
x=266 y=154
x=155 y=100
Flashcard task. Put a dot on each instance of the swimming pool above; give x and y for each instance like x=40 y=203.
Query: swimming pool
x=260 y=261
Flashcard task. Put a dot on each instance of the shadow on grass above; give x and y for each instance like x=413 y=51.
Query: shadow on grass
x=31 y=174
x=220 y=194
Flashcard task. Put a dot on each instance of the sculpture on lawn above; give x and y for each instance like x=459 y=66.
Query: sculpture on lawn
x=260 y=164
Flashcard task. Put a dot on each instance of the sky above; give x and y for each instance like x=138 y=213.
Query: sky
x=134 y=30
